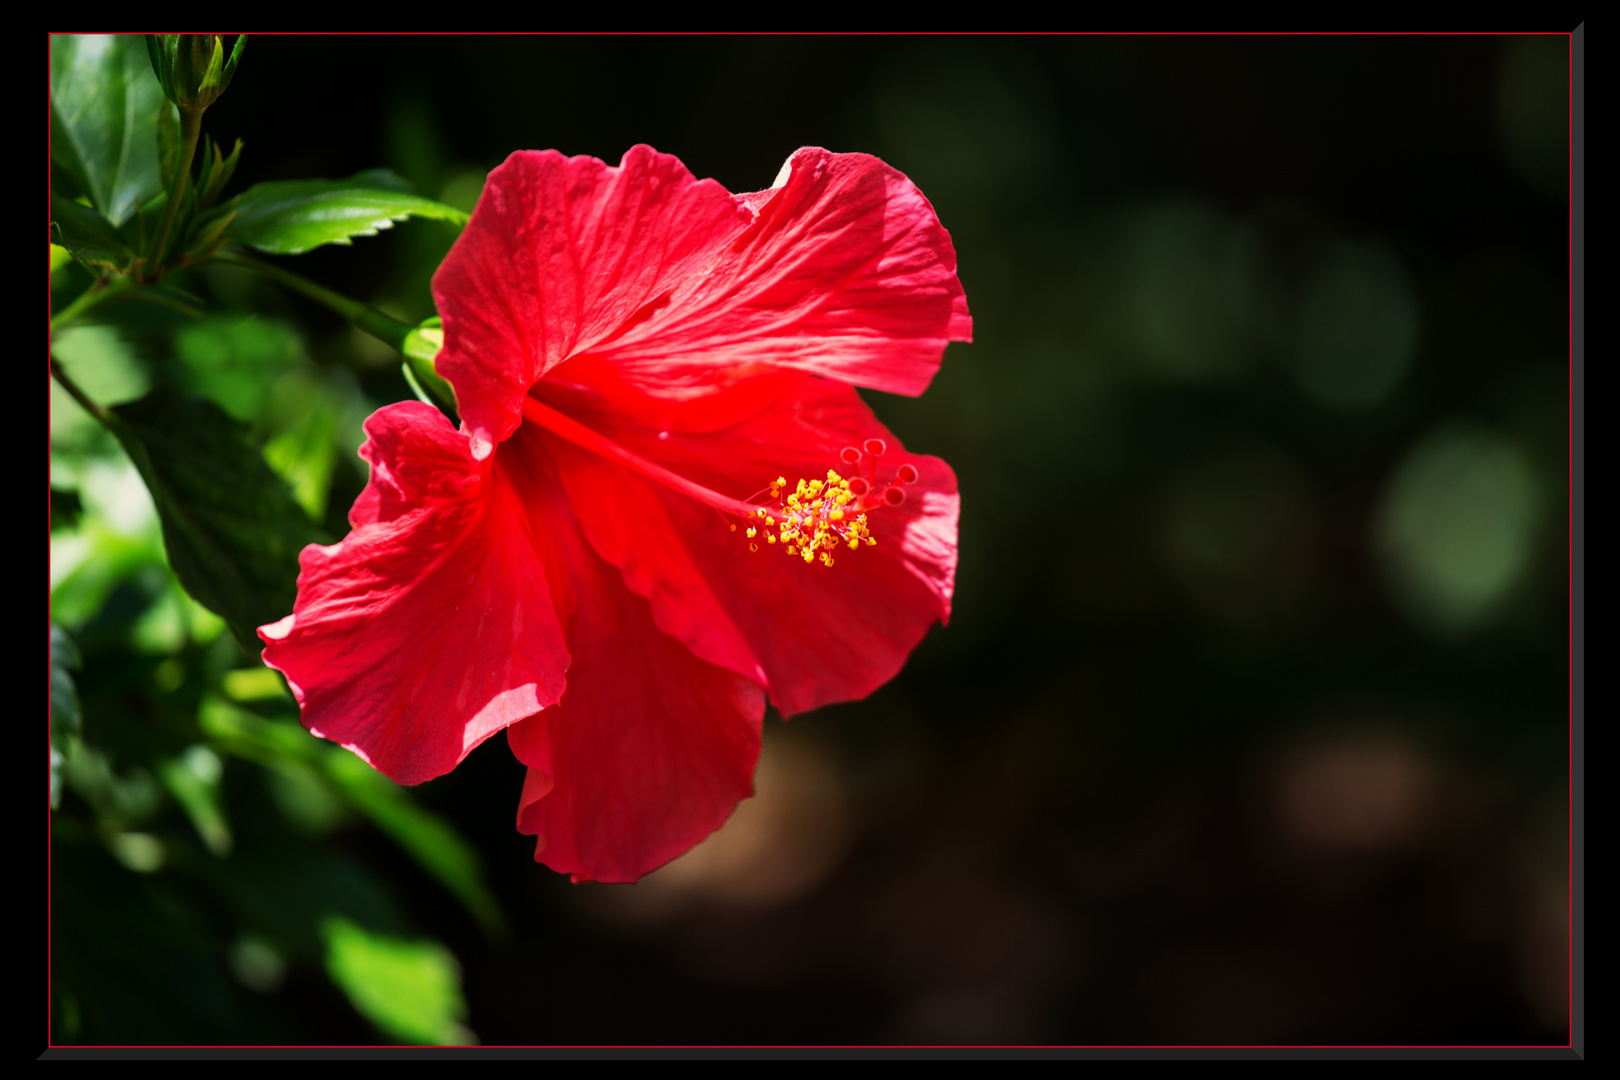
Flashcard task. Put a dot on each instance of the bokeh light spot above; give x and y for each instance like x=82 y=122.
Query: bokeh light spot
x=140 y=852
x=1457 y=527
x=1358 y=328
x=258 y=965
x=1359 y=792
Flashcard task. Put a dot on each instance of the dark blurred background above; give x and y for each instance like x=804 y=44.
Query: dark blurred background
x=1251 y=721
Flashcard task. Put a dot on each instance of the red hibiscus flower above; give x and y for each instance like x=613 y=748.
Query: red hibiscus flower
x=666 y=502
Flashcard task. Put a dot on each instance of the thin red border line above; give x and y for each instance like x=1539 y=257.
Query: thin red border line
x=1569 y=866
x=1568 y=575
x=819 y=1046
x=880 y=33
x=50 y=813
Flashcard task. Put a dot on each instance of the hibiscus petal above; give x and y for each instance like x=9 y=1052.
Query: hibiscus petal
x=560 y=255
x=651 y=747
x=847 y=273
x=820 y=634
x=430 y=627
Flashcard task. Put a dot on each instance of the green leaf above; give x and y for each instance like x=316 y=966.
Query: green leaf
x=206 y=237
x=217 y=171
x=230 y=65
x=193 y=779
x=410 y=990
x=429 y=839
x=91 y=238
x=65 y=717
x=304 y=453
x=64 y=697
x=231 y=527
x=426 y=837
x=290 y=217
x=142 y=962
x=105 y=104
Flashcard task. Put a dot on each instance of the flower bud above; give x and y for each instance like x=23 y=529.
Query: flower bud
x=192 y=68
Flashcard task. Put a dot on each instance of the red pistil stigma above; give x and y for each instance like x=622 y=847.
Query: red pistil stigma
x=858 y=487
x=875 y=447
x=894 y=496
x=907 y=473
x=850 y=455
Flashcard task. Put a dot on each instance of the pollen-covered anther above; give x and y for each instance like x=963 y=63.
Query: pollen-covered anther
x=815 y=517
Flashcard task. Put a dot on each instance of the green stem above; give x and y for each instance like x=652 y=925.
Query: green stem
x=89 y=300
x=367 y=318
x=78 y=395
x=190 y=128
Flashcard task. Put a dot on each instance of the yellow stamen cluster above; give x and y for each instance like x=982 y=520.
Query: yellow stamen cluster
x=813 y=520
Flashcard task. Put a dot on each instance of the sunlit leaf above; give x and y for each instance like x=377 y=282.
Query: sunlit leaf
x=193 y=779
x=254 y=684
x=410 y=989
x=254 y=738
x=236 y=361
x=117 y=539
x=102 y=362
x=105 y=104
x=289 y=217
x=231 y=527
x=304 y=454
